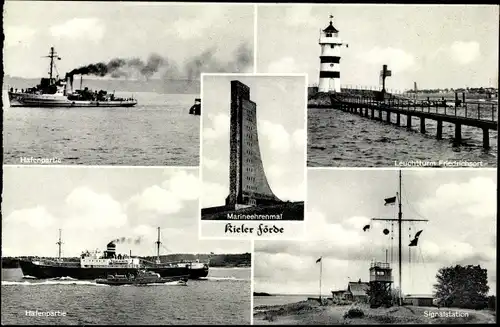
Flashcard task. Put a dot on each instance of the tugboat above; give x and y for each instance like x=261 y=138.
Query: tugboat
x=196 y=108
x=141 y=277
x=196 y=268
x=54 y=93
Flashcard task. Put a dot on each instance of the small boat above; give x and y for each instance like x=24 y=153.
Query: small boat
x=196 y=108
x=141 y=277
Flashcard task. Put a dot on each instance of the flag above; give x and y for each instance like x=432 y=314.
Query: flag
x=319 y=260
x=367 y=227
x=414 y=242
x=390 y=200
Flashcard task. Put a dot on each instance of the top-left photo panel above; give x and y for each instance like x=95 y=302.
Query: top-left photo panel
x=114 y=83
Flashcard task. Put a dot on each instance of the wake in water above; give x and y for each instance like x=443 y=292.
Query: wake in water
x=52 y=282
x=222 y=278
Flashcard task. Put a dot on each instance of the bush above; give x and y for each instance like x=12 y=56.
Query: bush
x=354 y=313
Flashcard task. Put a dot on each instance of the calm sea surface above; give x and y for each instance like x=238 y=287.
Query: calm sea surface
x=341 y=139
x=157 y=132
x=221 y=298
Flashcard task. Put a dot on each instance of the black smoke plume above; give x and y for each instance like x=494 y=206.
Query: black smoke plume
x=128 y=240
x=205 y=62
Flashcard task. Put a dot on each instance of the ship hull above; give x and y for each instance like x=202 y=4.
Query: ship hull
x=43 y=271
x=196 y=273
x=196 y=270
x=55 y=101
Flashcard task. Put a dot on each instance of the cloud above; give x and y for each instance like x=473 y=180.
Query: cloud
x=299 y=16
x=219 y=127
x=275 y=134
x=213 y=194
x=396 y=59
x=184 y=185
x=284 y=65
x=37 y=217
x=198 y=26
x=88 y=209
x=473 y=198
x=299 y=137
x=210 y=163
x=19 y=35
x=465 y=52
x=157 y=199
x=80 y=28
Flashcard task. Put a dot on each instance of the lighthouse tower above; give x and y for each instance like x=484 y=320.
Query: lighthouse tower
x=329 y=73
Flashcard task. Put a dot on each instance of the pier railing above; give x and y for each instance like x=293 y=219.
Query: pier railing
x=484 y=111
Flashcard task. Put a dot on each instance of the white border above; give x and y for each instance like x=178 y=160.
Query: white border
x=200 y=174
x=252 y=263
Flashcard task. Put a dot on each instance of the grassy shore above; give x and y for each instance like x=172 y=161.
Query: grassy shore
x=310 y=312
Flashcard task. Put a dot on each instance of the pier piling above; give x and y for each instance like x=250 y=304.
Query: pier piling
x=398 y=119
x=408 y=121
x=486 y=138
x=439 y=135
x=422 y=125
x=458 y=133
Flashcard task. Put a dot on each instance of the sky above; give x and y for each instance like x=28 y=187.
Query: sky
x=281 y=131
x=437 y=46
x=93 y=206
x=459 y=204
x=90 y=32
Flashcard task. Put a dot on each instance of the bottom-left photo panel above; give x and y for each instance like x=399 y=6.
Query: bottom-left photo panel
x=115 y=245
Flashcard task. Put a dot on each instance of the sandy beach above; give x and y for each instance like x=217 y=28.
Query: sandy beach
x=311 y=312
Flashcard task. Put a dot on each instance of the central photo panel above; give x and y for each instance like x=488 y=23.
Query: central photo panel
x=253 y=155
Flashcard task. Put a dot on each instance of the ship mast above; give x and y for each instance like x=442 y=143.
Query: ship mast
x=158 y=242
x=400 y=221
x=52 y=55
x=59 y=243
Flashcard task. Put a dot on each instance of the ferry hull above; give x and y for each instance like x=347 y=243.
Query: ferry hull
x=43 y=271
x=54 y=101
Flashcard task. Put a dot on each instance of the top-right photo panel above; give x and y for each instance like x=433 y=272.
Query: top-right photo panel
x=390 y=85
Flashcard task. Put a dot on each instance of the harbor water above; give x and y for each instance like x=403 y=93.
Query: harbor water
x=221 y=298
x=343 y=139
x=158 y=131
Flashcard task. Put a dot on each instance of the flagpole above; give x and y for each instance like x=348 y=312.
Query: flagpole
x=320 y=275
x=400 y=216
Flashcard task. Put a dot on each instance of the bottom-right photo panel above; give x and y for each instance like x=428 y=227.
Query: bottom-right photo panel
x=385 y=247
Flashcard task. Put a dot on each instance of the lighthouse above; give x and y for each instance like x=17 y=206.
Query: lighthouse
x=329 y=72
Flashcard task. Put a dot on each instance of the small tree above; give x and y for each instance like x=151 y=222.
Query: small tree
x=463 y=287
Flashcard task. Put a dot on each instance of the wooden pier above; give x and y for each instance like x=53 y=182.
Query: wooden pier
x=475 y=114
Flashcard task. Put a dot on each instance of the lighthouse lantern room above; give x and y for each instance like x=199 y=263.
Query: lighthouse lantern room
x=329 y=74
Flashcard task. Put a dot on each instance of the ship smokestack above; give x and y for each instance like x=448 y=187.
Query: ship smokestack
x=69 y=84
x=111 y=250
